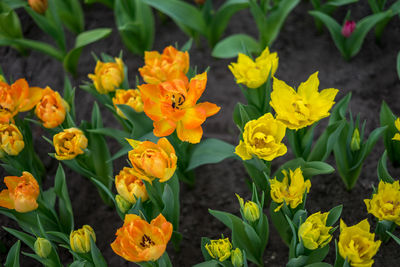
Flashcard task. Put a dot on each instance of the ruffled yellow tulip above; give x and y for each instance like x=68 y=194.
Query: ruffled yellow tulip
x=69 y=143
x=357 y=244
x=108 y=76
x=314 y=233
x=129 y=97
x=291 y=194
x=304 y=107
x=11 y=139
x=219 y=249
x=385 y=204
x=79 y=240
x=262 y=138
x=251 y=73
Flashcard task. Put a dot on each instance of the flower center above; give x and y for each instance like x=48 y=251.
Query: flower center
x=177 y=100
x=146 y=242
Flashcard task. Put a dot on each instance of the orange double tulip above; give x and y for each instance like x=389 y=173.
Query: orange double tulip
x=138 y=240
x=172 y=105
x=51 y=109
x=21 y=193
x=18 y=97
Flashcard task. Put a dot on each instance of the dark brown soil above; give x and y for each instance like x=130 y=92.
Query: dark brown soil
x=371 y=76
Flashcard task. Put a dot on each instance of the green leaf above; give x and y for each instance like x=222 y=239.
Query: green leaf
x=118 y=135
x=97 y=257
x=338 y=3
x=355 y=41
x=319 y=264
x=221 y=18
x=395 y=238
x=210 y=151
x=181 y=12
x=210 y=263
x=235 y=44
x=71 y=59
x=10 y=25
x=27 y=239
x=317 y=256
x=309 y=169
x=204 y=242
x=13 y=255
x=71 y=14
x=334 y=29
x=140 y=122
x=35 y=45
x=64 y=203
x=334 y=215
x=14 y=4
x=104 y=189
x=383 y=174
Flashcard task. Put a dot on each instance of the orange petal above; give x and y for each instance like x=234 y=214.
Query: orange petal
x=210 y=108
x=5 y=200
x=189 y=135
x=152 y=110
x=164 y=225
x=12 y=182
x=164 y=127
x=194 y=117
x=196 y=88
x=150 y=91
x=35 y=94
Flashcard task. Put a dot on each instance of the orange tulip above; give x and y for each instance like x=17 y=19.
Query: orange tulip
x=39 y=6
x=11 y=139
x=172 y=105
x=69 y=143
x=108 y=76
x=138 y=241
x=129 y=97
x=129 y=186
x=171 y=64
x=18 y=97
x=21 y=194
x=151 y=161
x=51 y=108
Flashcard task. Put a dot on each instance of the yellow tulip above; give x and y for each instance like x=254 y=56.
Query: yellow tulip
x=108 y=76
x=291 y=194
x=385 y=204
x=151 y=161
x=304 y=107
x=69 y=143
x=129 y=186
x=250 y=209
x=11 y=139
x=251 y=73
x=314 y=233
x=357 y=244
x=237 y=257
x=219 y=249
x=80 y=239
x=262 y=138
x=129 y=97
x=397 y=135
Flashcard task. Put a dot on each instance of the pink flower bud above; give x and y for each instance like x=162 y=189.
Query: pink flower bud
x=348 y=28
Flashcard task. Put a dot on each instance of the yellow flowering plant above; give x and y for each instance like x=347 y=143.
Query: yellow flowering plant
x=391 y=135
x=251 y=232
x=311 y=236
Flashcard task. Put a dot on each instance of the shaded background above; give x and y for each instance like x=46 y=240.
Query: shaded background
x=371 y=76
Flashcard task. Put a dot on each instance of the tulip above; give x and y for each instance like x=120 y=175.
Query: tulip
x=69 y=143
x=39 y=6
x=11 y=139
x=130 y=97
x=108 y=76
x=129 y=186
x=348 y=28
x=51 y=109
x=219 y=249
x=237 y=257
x=314 y=233
x=79 y=240
x=42 y=247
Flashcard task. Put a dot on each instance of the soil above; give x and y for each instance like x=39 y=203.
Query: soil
x=371 y=77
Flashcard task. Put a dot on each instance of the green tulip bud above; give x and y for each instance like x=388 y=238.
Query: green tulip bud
x=123 y=204
x=355 y=140
x=251 y=211
x=42 y=247
x=237 y=257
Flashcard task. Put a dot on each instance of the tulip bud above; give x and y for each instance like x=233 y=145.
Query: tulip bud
x=237 y=257
x=122 y=204
x=42 y=247
x=2 y=79
x=355 y=140
x=348 y=28
x=39 y=6
x=80 y=239
x=200 y=2
x=251 y=211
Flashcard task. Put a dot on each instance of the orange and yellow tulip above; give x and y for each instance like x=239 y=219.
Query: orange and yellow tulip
x=18 y=97
x=151 y=161
x=69 y=143
x=39 y=6
x=129 y=186
x=171 y=64
x=138 y=240
x=129 y=97
x=21 y=193
x=108 y=76
x=51 y=108
x=172 y=105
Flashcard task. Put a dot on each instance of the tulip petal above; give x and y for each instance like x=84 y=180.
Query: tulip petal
x=241 y=151
x=209 y=108
x=197 y=86
x=193 y=117
x=189 y=135
x=308 y=90
x=35 y=94
x=5 y=200
x=164 y=127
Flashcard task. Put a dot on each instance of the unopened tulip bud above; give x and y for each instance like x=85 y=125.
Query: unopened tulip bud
x=2 y=79
x=80 y=239
x=39 y=6
x=251 y=211
x=42 y=247
x=122 y=204
x=355 y=141
x=237 y=257
x=348 y=28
